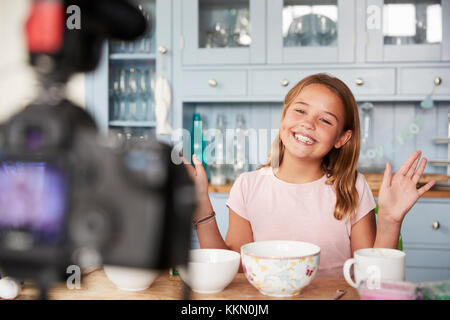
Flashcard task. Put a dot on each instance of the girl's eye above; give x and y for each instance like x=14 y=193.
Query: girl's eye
x=326 y=121
x=300 y=111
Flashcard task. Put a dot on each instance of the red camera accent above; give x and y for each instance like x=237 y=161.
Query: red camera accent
x=45 y=26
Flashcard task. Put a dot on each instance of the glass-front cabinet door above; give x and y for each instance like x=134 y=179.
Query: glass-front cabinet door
x=308 y=31
x=121 y=92
x=223 y=32
x=408 y=30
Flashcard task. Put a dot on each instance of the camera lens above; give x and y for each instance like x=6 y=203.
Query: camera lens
x=34 y=138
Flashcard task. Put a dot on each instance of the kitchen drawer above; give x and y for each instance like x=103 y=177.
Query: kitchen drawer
x=427 y=258
x=421 y=80
x=417 y=225
x=214 y=83
x=278 y=82
x=426 y=274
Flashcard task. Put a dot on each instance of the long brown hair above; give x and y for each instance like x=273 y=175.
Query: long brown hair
x=339 y=164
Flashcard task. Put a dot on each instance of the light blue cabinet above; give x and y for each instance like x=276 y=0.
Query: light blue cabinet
x=302 y=31
x=223 y=32
x=422 y=35
x=426 y=240
x=120 y=93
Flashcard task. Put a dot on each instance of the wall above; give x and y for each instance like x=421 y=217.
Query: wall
x=17 y=82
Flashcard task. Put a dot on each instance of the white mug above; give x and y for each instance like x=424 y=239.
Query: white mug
x=374 y=265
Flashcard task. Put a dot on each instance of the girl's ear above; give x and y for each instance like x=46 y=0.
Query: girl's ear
x=343 y=139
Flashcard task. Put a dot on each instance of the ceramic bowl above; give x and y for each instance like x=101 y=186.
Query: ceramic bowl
x=210 y=270
x=130 y=279
x=280 y=268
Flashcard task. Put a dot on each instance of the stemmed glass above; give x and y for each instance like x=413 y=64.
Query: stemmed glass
x=115 y=95
x=132 y=94
x=141 y=103
x=123 y=93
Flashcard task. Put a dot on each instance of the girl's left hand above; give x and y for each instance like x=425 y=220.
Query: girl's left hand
x=399 y=193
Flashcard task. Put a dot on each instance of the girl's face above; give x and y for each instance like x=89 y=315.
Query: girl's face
x=313 y=123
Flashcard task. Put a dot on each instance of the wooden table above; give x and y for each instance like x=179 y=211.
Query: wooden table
x=96 y=286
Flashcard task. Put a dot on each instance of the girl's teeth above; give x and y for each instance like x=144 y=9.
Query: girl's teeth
x=304 y=139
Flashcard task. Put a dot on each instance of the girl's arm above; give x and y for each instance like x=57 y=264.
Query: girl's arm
x=239 y=229
x=397 y=195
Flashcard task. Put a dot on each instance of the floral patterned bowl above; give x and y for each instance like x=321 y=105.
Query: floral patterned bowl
x=280 y=268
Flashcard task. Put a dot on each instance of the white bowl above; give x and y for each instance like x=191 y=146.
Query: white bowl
x=130 y=279
x=210 y=270
x=280 y=268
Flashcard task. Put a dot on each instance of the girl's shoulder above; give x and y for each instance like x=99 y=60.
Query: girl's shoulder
x=249 y=178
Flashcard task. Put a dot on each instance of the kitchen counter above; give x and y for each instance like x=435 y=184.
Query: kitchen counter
x=374 y=180
x=96 y=286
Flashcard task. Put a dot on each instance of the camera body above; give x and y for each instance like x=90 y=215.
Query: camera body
x=69 y=195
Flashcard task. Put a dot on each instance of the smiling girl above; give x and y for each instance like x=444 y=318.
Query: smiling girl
x=309 y=189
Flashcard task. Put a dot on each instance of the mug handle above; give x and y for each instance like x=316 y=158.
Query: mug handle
x=348 y=278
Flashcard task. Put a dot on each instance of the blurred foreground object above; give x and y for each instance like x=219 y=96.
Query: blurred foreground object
x=69 y=196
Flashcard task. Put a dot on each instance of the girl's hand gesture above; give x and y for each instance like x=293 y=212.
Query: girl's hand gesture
x=399 y=193
x=198 y=175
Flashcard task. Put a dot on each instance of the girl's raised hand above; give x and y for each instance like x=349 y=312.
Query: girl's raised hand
x=198 y=175
x=399 y=193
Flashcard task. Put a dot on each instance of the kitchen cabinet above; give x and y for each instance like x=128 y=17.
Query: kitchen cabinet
x=426 y=240
x=301 y=31
x=120 y=93
x=362 y=81
x=223 y=32
x=414 y=30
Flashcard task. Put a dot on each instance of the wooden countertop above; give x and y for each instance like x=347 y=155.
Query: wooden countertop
x=374 y=181
x=96 y=286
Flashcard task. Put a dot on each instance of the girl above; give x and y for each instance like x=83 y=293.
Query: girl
x=309 y=189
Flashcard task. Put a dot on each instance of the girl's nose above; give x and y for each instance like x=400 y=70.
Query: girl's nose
x=308 y=124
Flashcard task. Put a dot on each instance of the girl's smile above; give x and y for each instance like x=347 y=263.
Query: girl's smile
x=313 y=123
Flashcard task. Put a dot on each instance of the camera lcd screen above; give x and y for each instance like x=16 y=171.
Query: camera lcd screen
x=33 y=200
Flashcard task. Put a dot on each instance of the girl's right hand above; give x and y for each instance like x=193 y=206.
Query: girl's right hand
x=198 y=175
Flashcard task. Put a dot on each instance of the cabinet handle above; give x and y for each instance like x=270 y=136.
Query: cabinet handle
x=435 y=225
x=284 y=82
x=359 y=81
x=437 y=81
x=212 y=82
x=162 y=50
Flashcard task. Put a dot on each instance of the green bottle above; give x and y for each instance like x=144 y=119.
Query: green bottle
x=400 y=240
x=198 y=143
x=197 y=137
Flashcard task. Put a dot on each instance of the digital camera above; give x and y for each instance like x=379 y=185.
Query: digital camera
x=69 y=195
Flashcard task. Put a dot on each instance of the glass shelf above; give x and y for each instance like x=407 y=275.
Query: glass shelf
x=412 y=22
x=224 y=23
x=307 y=23
x=140 y=124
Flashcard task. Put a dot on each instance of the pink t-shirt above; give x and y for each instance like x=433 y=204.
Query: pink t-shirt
x=278 y=210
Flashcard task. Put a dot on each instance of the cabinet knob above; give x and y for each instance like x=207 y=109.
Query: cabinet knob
x=359 y=81
x=284 y=82
x=212 y=82
x=435 y=225
x=437 y=81
x=162 y=50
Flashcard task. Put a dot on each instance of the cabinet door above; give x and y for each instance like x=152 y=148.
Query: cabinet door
x=302 y=31
x=120 y=92
x=411 y=30
x=223 y=32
